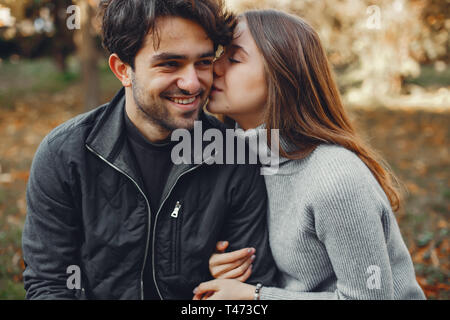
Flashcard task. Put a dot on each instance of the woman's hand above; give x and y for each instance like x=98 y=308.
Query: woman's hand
x=231 y=265
x=224 y=289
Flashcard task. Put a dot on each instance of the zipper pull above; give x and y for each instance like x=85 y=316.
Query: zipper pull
x=175 y=210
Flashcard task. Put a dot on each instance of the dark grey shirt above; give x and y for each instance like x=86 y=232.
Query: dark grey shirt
x=154 y=163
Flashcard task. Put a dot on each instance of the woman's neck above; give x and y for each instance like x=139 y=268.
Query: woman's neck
x=248 y=121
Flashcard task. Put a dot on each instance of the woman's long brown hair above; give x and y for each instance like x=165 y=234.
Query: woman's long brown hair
x=303 y=99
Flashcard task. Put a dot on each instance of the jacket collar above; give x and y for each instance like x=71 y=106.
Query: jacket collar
x=108 y=141
x=107 y=133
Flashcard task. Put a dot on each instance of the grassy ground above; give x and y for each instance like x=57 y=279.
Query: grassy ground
x=34 y=98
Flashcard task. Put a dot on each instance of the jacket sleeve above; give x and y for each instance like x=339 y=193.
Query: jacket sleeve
x=49 y=239
x=246 y=225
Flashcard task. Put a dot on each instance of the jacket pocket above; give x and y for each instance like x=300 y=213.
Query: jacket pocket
x=175 y=246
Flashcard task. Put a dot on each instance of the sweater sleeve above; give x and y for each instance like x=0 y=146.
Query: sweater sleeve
x=352 y=222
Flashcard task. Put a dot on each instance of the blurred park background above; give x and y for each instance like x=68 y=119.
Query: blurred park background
x=391 y=59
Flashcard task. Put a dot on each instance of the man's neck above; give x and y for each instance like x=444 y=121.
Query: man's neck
x=150 y=131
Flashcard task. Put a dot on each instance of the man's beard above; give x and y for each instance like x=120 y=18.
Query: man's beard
x=157 y=112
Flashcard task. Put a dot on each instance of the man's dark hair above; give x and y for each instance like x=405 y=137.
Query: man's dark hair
x=126 y=23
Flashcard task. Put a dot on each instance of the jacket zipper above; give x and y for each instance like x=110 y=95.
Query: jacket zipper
x=156 y=220
x=175 y=210
x=149 y=217
x=175 y=236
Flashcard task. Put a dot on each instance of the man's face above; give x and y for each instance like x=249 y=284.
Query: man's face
x=171 y=82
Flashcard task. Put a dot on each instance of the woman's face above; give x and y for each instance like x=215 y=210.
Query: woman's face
x=239 y=88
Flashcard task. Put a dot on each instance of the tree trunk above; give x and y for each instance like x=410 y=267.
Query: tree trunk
x=89 y=56
x=63 y=38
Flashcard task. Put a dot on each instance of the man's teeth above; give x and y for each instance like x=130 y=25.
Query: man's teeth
x=183 y=101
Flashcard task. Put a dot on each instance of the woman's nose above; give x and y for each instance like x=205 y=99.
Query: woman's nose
x=219 y=67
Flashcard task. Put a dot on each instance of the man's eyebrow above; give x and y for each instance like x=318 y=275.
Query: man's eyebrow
x=210 y=54
x=173 y=56
x=167 y=56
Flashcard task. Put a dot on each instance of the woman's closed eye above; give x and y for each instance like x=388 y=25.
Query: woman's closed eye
x=232 y=60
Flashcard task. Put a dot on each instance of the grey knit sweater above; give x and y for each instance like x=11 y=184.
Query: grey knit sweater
x=332 y=232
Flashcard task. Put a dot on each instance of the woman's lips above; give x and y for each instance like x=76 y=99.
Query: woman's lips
x=215 y=89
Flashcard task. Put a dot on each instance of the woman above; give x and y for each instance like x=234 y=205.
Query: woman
x=332 y=230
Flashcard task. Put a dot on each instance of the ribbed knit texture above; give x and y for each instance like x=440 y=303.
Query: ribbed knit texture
x=332 y=229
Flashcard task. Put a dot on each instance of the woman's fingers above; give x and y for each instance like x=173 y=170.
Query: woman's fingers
x=246 y=275
x=202 y=296
x=230 y=257
x=197 y=297
x=207 y=295
x=237 y=269
x=221 y=246
x=205 y=287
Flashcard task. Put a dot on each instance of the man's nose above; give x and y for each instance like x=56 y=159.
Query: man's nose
x=189 y=81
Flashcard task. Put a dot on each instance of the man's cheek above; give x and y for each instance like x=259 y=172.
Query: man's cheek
x=206 y=78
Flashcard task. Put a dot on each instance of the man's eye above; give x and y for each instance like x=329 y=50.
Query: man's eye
x=205 y=62
x=170 y=64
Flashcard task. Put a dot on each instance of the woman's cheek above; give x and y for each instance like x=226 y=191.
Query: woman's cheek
x=238 y=97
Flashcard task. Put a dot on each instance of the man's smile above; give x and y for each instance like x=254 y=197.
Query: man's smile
x=185 y=103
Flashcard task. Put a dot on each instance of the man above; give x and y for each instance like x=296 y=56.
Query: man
x=104 y=197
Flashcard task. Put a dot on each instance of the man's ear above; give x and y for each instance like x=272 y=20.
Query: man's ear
x=120 y=69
